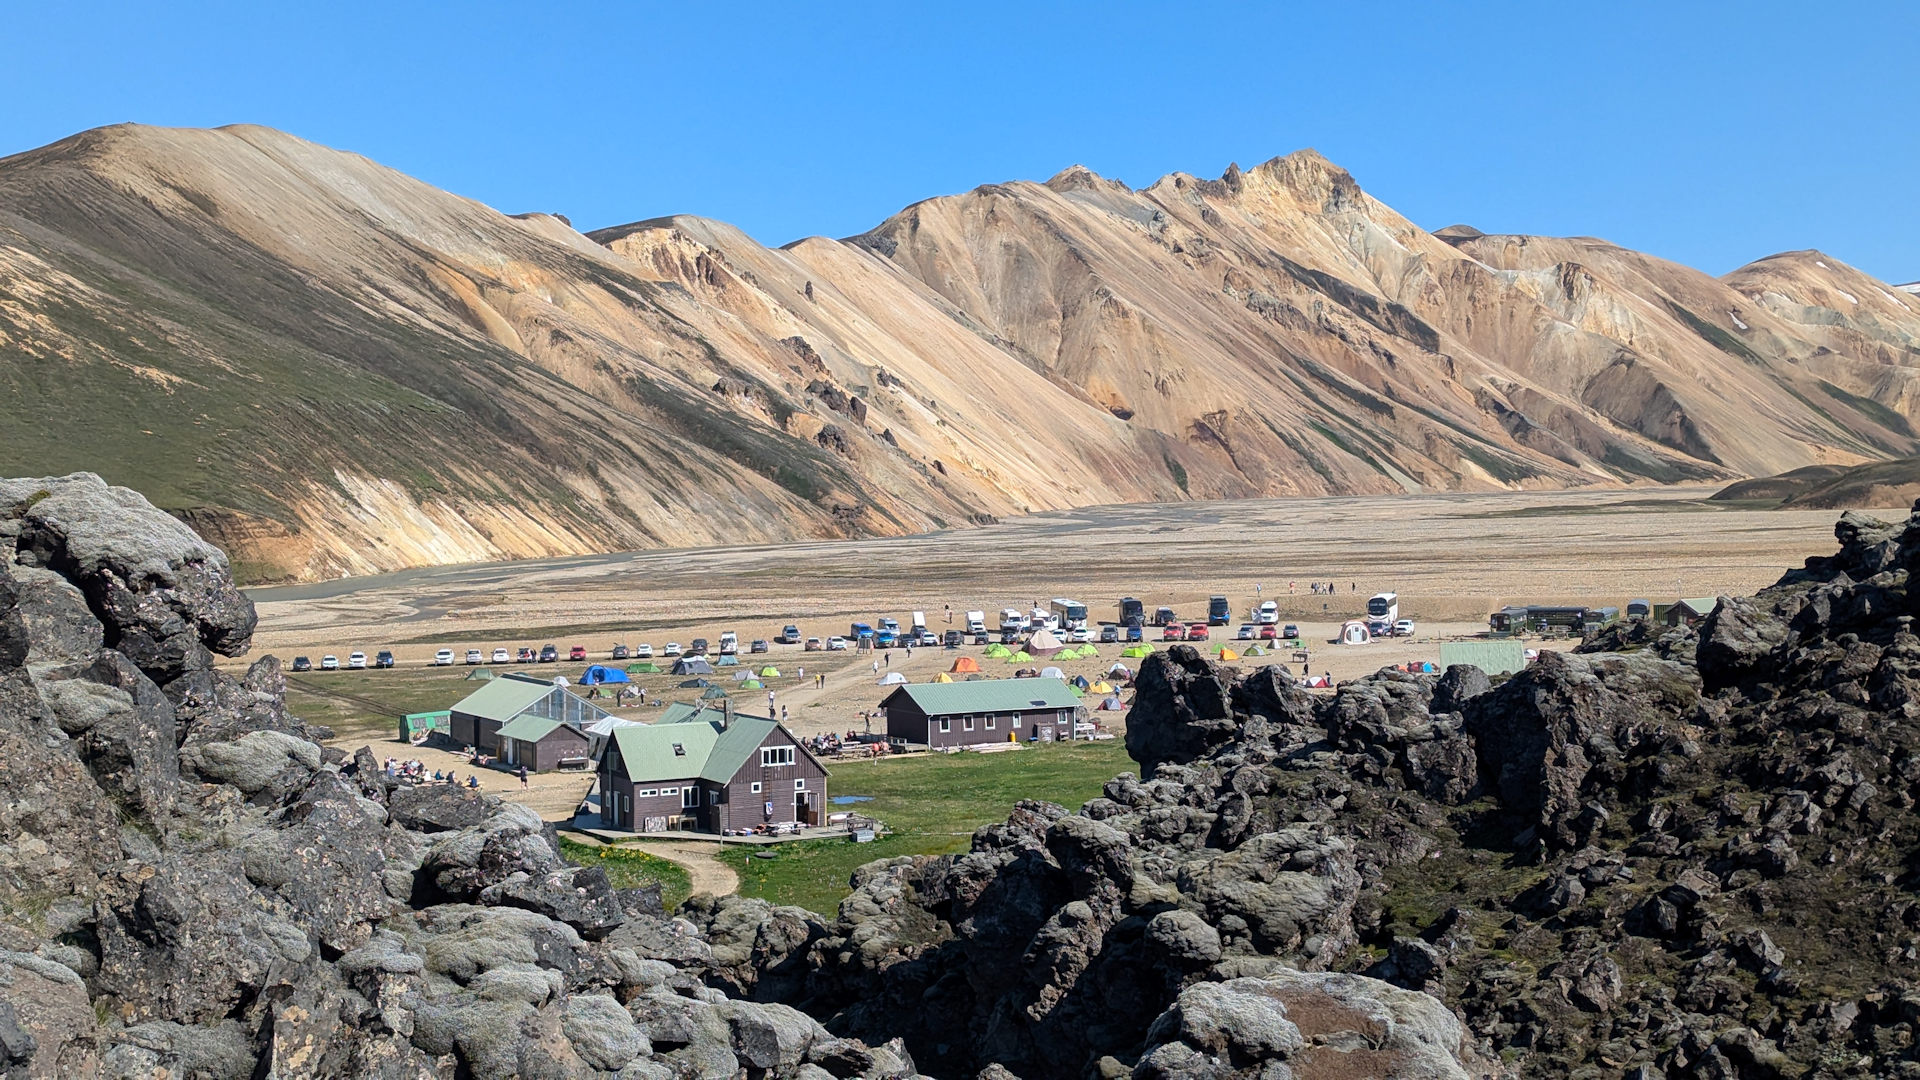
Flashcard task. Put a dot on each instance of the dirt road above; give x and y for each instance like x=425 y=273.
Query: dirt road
x=708 y=874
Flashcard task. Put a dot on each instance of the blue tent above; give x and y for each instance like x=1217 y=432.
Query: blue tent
x=598 y=674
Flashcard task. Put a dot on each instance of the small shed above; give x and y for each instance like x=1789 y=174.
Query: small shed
x=970 y=713
x=543 y=745
x=476 y=719
x=1689 y=611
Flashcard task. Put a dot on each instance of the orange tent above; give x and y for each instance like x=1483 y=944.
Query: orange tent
x=965 y=663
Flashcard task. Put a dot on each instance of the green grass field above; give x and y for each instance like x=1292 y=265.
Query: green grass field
x=933 y=803
x=345 y=700
x=633 y=870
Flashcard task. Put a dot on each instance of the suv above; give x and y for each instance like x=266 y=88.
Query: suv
x=1109 y=634
x=473 y=656
x=1197 y=632
x=1268 y=631
x=836 y=643
x=759 y=645
x=789 y=635
x=672 y=648
x=301 y=663
x=357 y=661
x=501 y=656
x=1403 y=628
x=329 y=662
x=698 y=648
x=549 y=654
x=1246 y=632
x=1174 y=632
x=524 y=656
x=383 y=659
x=814 y=644
x=578 y=652
x=643 y=651
x=1290 y=632
x=952 y=639
x=443 y=658
x=621 y=652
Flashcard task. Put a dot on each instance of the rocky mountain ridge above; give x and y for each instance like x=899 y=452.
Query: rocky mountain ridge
x=331 y=368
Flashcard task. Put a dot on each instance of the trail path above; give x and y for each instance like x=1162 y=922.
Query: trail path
x=708 y=874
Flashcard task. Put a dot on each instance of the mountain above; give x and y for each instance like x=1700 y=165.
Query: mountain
x=1869 y=486
x=330 y=368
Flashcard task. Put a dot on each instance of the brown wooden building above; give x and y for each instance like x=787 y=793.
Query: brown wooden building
x=479 y=717
x=544 y=745
x=709 y=770
x=969 y=713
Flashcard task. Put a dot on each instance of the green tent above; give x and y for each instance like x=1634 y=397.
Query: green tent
x=645 y=667
x=998 y=651
x=727 y=660
x=479 y=674
x=753 y=684
x=1019 y=657
x=769 y=672
x=712 y=693
x=1254 y=650
x=1136 y=652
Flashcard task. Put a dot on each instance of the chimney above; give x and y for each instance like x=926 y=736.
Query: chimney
x=726 y=713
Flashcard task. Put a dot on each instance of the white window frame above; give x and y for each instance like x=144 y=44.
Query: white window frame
x=989 y=721
x=665 y=791
x=754 y=788
x=946 y=724
x=648 y=793
x=967 y=723
x=777 y=757
x=689 y=798
x=713 y=797
x=800 y=784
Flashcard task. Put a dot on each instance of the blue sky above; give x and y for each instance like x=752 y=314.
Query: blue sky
x=1709 y=134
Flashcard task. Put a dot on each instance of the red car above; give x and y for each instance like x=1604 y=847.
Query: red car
x=1269 y=632
x=1197 y=632
x=1174 y=632
x=578 y=652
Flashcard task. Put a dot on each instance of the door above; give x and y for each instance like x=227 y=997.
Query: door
x=803 y=808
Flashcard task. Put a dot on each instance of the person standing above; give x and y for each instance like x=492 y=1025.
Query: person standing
x=523 y=778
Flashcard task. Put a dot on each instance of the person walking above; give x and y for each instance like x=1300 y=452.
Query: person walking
x=523 y=778
x=876 y=666
x=769 y=703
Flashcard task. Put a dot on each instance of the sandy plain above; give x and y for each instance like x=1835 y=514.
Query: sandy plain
x=1452 y=558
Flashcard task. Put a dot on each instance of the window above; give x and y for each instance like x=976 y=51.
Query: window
x=648 y=793
x=946 y=725
x=754 y=787
x=689 y=798
x=669 y=791
x=989 y=721
x=775 y=756
x=713 y=797
x=679 y=750
x=967 y=722
x=1062 y=719
x=799 y=785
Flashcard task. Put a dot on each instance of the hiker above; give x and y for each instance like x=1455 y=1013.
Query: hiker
x=473 y=781
x=769 y=703
x=523 y=777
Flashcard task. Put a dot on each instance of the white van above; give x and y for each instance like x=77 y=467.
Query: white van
x=976 y=622
x=1012 y=619
x=1269 y=613
x=729 y=643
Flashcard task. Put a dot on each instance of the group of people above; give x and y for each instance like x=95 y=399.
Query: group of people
x=415 y=772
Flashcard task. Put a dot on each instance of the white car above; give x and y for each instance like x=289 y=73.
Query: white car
x=642 y=652
x=329 y=663
x=501 y=656
x=357 y=660
x=473 y=656
x=1246 y=633
x=440 y=659
x=836 y=644
x=1403 y=628
x=672 y=649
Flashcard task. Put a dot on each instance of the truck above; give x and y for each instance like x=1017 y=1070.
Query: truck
x=1068 y=614
x=1267 y=614
x=1383 y=610
x=1132 y=612
x=729 y=643
x=1219 y=611
x=919 y=620
x=1042 y=619
x=976 y=622
x=1012 y=619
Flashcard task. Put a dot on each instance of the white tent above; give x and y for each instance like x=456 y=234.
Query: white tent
x=1052 y=673
x=1354 y=632
x=891 y=678
x=1044 y=641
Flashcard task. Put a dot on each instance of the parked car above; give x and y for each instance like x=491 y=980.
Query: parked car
x=578 y=652
x=549 y=654
x=925 y=638
x=1403 y=628
x=1173 y=632
x=301 y=663
x=1009 y=635
x=789 y=635
x=443 y=658
x=1290 y=632
x=643 y=652
x=758 y=645
x=525 y=656
x=979 y=637
x=814 y=644
x=672 y=649
x=501 y=656
x=953 y=639
x=384 y=659
x=620 y=652
x=698 y=648
x=357 y=661
x=474 y=657
x=1135 y=633
x=329 y=663
x=1245 y=633
x=1268 y=631
x=1080 y=635
x=1109 y=633
x=1198 y=632
x=836 y=643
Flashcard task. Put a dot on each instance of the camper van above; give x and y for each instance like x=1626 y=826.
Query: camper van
x=729 y=643
x=1219 y=611
x=1639 y=609
x=919 y=621
x=1132 y=612
x=1383 y=610
x=976 y=622
x=1267 y=614
x=1040 y=618
x=1069 y=614
x=1012 y=619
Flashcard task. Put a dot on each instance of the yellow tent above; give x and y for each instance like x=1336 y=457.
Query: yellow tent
x=943 y=677
x=1229 y=654
x=1102 y=687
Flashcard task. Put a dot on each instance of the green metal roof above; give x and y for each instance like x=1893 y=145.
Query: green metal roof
x=989 y=696
x=528 y=728
x=504 y=698
x=1492 y=657
x=1701 y=605
x=710 y=747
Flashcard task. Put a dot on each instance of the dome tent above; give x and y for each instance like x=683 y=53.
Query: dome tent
x=891 y=678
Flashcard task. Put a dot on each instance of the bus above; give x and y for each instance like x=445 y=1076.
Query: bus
x=1070 y=614
x=1219 y=611
x=1132 y=612
x=1383 y=610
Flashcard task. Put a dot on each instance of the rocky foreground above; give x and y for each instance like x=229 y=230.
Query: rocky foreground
x=1691 y=857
